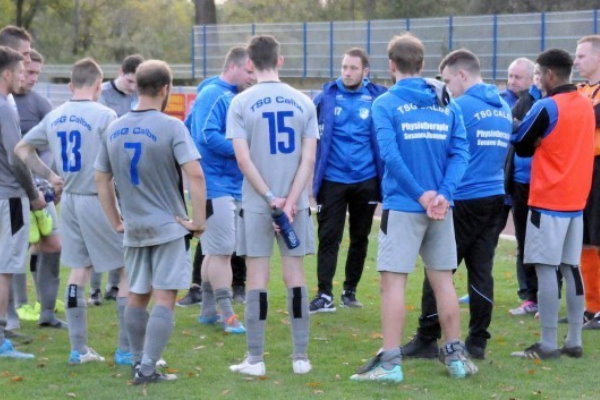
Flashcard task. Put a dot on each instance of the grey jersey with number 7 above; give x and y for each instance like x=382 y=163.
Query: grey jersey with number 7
x=274 y=118
x=144 y=150
x=73 y=132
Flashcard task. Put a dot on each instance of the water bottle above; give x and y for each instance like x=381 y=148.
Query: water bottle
x=49 y=194
x=287 y=231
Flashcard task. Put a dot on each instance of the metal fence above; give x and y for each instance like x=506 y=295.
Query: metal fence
x=314 y=49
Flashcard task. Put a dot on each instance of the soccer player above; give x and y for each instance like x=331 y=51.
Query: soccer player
x=120 y=96
x=73 y=132
x=587 y=63
x=145 y=151
x=223 y=185
x=17 y=190
x=44 y=262
x=274 y=131
x=425 y=153
x=478 y=203
x=559 y=132
x=347 y=176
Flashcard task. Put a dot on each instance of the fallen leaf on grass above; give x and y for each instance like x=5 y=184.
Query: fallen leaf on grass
x=225 y=392
x=531 y=371
x=145 y=391
x=220 y=344
x=41 y=365
x=537 y=361
x=313 y=384
x=199 y=347
x=508 y=389
x=376 y=335
x=285 y=321
x=318 y=392
x=191 y=375
x=72 y=395
x=410 y=307
x=172 y=370
x=5 y=373
x=262 y=378
x=186 y=332
x=547 y=368
x=16 y=379
x=199 y=369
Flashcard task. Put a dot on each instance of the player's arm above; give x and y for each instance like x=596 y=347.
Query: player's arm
x=108 y=198
x=242 y=155
x=28 y=154
x=213 y=131
x=10 y=137
x=536 y=125
x=197 y=191
x=303 y=175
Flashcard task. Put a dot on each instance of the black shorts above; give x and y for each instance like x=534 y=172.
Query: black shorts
x=591 y=213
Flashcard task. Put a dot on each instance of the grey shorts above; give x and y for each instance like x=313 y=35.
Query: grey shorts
x=553 y=240
x=87 y=236
x=255 y=235
x=219 y=236
x=165 y=266
x=403 y=236
x=51 y=208
x=14 y=234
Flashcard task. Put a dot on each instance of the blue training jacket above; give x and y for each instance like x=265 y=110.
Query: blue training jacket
x=522 y=165
x=423 y=144
x=510 y=97
x=208 y=122
x=325 y=103
x=488 y=121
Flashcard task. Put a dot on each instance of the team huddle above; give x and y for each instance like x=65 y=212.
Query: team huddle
x=447 y=158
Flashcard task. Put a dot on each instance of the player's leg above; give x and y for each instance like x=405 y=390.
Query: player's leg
x=331 y=217
x=168 y=270
x=208 y=311
x=14 y=231
x=362 y=201
x=194 y=294
x=123 y=355
x=297 y=307
x=47 y=275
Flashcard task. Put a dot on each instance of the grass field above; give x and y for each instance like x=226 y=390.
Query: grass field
x=340 y=342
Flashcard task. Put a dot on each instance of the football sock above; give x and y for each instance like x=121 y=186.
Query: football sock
x=76 y=311
x=575 y=306
x=158 y=332
x=209 y=306
x=48 y=281
x=123 y=337
x=256 y=320
x=136 y=319
x=548 y=304
x=223 y=297
x=297 y=306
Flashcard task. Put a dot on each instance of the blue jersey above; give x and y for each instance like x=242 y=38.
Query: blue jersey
x=488 y=121
x=423 y=144
x=208 y=122
x=510 y=97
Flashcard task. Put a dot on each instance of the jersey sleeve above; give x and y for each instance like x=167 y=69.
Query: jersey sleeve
x=458 y=155
x=235 y=123
x=102 y=162
x=213 y=132
x=38 y=135
x=184 y=149
x=311 y=130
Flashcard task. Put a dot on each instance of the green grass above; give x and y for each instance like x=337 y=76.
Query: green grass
x=340 y=342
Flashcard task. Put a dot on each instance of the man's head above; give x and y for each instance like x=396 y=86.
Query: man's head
x=406 y=54
x=587 y=57
x=555 y=68
x=32 y=72
x=153 y=78
x=460 y=70
x=126 y=79
x=11 y=70
x=520 y=75
x=86 y=74
x=263 y=51
x=17 y=39
x=236 y=68
x=355 y=67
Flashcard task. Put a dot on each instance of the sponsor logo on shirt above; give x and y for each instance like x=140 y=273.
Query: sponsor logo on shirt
x=363 y=113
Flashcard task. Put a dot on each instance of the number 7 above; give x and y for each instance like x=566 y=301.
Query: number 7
x=137 y=153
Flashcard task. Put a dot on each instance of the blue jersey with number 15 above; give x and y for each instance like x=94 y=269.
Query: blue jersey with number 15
x=73 y=132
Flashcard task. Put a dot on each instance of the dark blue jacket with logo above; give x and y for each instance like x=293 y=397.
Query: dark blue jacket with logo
x=326 y=103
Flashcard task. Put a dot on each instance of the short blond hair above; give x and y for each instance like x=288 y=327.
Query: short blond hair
x=85 y=73
x=594 y=40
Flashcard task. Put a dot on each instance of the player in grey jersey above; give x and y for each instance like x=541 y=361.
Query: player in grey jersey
x=16 y=191
x=145 y=151
x=274 y=131
x=74 y=132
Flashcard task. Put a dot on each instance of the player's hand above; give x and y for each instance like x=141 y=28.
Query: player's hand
x=290 y=210
x=119 y=227
x=278 y=202
x=192 y=226
x=438 y=208
x=39 y=203
x=57 y=184
x=426 y=198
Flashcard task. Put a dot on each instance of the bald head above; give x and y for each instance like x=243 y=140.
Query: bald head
x=520 y=75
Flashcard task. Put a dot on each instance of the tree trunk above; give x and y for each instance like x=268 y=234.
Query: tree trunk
x=206 y=12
